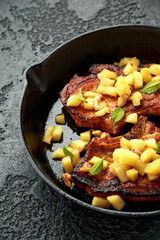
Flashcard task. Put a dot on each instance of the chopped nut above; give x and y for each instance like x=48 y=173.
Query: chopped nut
x=96 y=102
x=104 y=135
x=122 y=100
x=96 y=133
x=66 y=177
x=86 y=167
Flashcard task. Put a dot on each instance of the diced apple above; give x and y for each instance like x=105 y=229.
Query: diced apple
x=153 y=167
x=60 y=119
x=116 y=201
x=124 y=143
x=140 y=166
x=151 y=143
x=92 y=94
x=98 y=104
x=124 y=61
x=154 y=69
x=132 y=118
x=129 y=79
x=116 y=154
x=78 y=144
x=132 y=174
x=147 y=155
x=152 y=177
x=146 y=75
x=128 y=157
x=58 y=154
x=67 y=164
x=107 y=90
x=48 y=135
x=105 y=73
x=102 y=112
x=125 y=156
x=121 y=174
x=135 y=98
x=129 y=68
x=96 y=159
x=138 y=80
x=86 y=136
x=107 y=82
x=100 y=202
x=57 y=134
x=89 y=104
x=124 y=89
x=76 y=158
x=73 y=101
x=135 y=61
x=112 y=167
x=122 y=100
x=137 y=144
x=156 y=156
x=156 y=78
x=119 y=81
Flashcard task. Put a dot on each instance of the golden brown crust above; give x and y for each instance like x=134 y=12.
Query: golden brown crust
x=97 y=68
x=105 y=183
x=150 y=105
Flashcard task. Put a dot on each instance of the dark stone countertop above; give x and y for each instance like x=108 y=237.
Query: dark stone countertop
x=29 y=31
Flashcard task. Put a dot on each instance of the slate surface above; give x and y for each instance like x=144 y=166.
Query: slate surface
x=29 y=31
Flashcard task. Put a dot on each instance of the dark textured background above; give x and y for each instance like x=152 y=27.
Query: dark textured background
x=29 y=31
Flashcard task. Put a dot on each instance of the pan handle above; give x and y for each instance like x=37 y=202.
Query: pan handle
x=34 y=77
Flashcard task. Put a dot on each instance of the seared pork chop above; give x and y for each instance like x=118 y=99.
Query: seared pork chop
x=150 y=104
x=105 y=183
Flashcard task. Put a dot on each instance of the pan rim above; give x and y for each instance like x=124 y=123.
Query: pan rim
x=33 y=163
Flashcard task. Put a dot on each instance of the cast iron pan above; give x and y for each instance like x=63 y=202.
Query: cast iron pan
x=41 y=101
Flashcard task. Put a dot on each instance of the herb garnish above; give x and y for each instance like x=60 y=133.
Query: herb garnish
x=158 y=148
x=151 y=87
x=97 y=167
x=81 y=97
x=67 y=152
x=117 y=114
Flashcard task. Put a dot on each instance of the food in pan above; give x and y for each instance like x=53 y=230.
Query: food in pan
x=131 y=165
x=53 y=133
x=106 y=98
x=119 y=167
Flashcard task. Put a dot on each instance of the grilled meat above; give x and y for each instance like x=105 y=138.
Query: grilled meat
x=105 y=183
x=97 y=68
x=150 y=104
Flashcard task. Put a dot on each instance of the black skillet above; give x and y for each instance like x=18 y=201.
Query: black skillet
x=41 y=102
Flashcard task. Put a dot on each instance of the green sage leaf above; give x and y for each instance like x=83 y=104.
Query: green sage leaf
x=151 y=87
x=158 y=148
x=97 y=167
x=67 y=152
x=81 y=97
x=117 y=114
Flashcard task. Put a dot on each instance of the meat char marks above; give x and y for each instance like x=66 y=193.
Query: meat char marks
x=150 y=104
x=105 y=183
